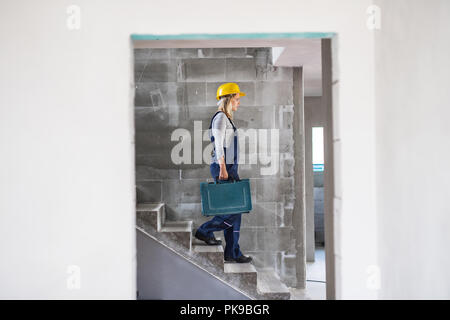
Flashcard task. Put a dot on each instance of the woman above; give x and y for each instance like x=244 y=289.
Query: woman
x=224 y=166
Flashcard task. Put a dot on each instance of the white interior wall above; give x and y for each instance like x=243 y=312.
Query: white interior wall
x=413 y=181
x=66 y=121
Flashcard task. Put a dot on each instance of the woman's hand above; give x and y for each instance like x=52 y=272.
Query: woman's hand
x=223 y=175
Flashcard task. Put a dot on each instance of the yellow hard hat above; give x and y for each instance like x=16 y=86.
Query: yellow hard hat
x=228 y=88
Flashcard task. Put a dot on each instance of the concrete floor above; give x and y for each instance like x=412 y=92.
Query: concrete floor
x=315 y=279
x=316 y=270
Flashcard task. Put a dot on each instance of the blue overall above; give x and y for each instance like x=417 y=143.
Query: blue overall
x=229 y=223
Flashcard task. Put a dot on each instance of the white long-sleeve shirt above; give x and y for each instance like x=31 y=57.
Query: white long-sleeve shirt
x=223 y=133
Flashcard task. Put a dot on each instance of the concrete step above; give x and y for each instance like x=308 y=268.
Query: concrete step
x=152 y=213
x=152 y=218
x=209 y=249
x=179 y=231
x=246 y=275
x=231 y=267
x=212 y=253
x=270 y=286
x=177 y=226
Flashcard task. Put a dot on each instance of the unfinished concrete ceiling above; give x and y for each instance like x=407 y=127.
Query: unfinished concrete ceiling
x=286 y=53
x=306 y=53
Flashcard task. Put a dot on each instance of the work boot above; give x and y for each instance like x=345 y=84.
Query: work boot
x=209 y=241
x=240 y=259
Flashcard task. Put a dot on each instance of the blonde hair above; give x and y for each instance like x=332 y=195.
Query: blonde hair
x=225 y=105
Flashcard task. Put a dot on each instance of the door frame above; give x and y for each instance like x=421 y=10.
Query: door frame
x=278 y=40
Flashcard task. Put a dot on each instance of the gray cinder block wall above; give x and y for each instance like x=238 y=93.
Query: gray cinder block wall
x=174 y=88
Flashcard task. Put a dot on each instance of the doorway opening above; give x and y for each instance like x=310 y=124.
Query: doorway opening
x=174 y=85
x=315 y=269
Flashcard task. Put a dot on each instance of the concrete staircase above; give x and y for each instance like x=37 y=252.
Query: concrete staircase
x=178 y=236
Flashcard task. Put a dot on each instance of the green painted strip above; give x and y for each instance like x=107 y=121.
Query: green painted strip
x=206 y=36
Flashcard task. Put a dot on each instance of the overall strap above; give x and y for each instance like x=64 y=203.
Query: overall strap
x=210 y=125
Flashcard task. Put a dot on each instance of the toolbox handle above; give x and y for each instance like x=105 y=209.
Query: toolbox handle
x=216 y=180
